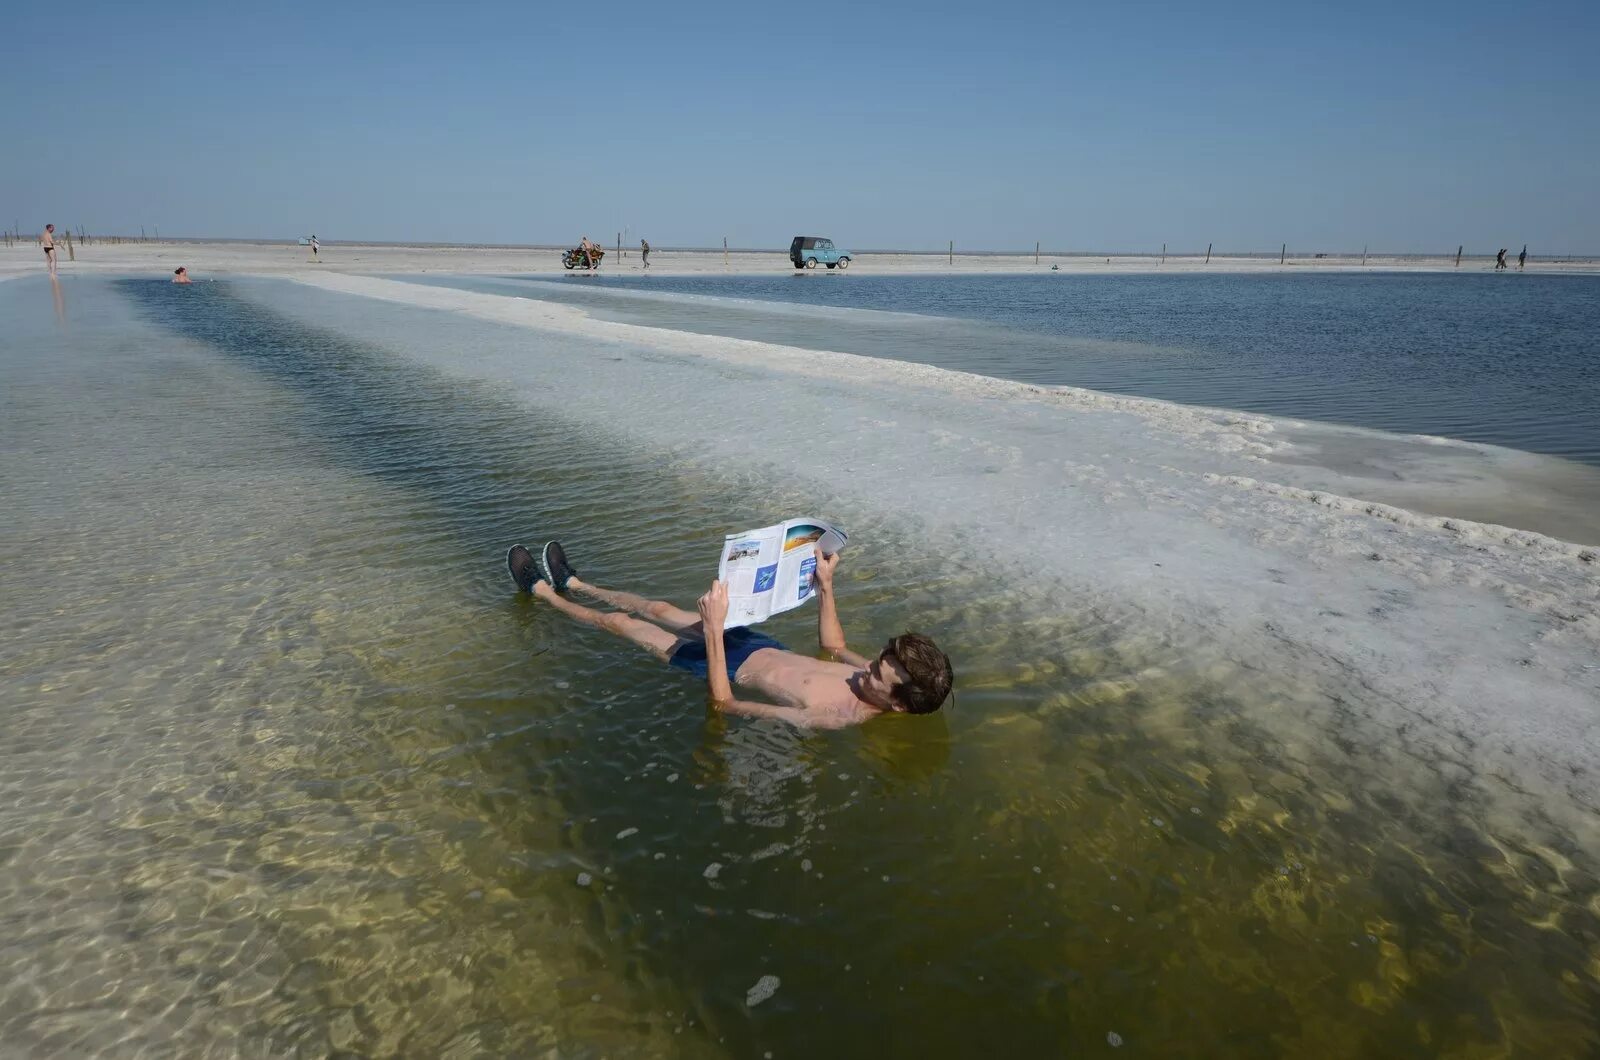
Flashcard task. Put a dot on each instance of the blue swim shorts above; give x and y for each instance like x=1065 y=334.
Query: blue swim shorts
x=738 y=643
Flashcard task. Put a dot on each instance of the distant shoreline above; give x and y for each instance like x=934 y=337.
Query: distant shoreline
x=218 y=256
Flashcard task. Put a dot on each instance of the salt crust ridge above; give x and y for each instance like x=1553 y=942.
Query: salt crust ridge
x=1223 y=430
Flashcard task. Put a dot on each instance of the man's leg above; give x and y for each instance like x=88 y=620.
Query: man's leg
x=657 y=611
x=645 y=634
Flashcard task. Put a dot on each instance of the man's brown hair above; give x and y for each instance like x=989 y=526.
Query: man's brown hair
x=929 y=674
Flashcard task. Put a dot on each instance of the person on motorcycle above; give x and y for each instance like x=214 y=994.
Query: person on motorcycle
x=590 y=251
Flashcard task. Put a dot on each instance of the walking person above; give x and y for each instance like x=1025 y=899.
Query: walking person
x=1522 y=259
x=48 y=241
x=1500 y=260
x=644 y=251
x=315 y=246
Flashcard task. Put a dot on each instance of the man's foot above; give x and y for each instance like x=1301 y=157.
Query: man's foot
x=557 y=570
x=524 y=571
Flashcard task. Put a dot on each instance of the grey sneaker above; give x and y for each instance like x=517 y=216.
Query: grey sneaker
x=523 y=569
x=557 y=571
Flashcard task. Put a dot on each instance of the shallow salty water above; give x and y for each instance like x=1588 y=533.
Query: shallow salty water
x=1511 y=360
x=285 y=765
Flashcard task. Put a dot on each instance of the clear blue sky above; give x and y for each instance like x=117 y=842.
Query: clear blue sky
x=1406 y=126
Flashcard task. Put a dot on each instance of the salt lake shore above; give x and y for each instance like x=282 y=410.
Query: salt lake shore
x=203 y=258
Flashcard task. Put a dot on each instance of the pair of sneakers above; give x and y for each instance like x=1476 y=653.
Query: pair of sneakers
x=552 y=567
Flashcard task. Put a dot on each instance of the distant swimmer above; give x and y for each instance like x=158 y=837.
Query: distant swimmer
x=909 y=676
x=181 y=275
x=48 y=241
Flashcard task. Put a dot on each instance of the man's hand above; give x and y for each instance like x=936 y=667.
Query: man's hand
x=714 y=607
x=823 y=575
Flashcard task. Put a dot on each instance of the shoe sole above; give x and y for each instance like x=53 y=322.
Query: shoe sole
x=559 y=585
x=511 y=566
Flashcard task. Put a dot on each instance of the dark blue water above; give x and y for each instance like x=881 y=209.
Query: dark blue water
x=1512 y=360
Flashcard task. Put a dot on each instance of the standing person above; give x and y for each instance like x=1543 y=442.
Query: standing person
x=1500 y=260
x=48 y=241
x=315 y=246
x=591 y=252
x=644 y=251
x=1522 y=259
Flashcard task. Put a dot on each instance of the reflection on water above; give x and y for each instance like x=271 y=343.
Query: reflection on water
x=287 y=767
x=60 y=299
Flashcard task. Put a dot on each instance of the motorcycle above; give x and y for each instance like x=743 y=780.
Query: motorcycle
x=575 y=257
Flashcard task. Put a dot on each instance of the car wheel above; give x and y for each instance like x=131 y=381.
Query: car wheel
x=833 y=264
x=844 y=263
x=811 y=263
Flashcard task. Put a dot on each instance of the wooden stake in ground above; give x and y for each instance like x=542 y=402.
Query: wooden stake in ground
x=1363 y=255
x=1036 y=252
x=1281 y=253
x=1458 y=256
x=1208 y=253
x=952 y=258
x=724 y=251
x=1163 y=253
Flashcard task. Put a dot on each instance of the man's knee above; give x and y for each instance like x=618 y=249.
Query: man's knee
x=659 y=609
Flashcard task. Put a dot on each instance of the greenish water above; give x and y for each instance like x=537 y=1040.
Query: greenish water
x=286 y=767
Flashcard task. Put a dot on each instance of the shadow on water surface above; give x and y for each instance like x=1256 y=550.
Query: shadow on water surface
x=1110 y=834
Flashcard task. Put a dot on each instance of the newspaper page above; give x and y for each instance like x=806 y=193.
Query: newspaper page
x=768 y=571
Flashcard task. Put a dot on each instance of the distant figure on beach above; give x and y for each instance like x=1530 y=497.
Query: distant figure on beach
x=588 y=248
x=315 y=246
x=644 y=251
x=1522 y=259
x=48 y=241
x=1500 y=260
x=909 y=676
x=181 y=275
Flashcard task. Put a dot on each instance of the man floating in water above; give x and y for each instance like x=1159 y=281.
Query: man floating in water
x=909 y=676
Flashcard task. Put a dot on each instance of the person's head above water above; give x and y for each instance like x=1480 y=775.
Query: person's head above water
x=909 y=676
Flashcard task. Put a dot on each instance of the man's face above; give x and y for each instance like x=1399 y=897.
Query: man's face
x=885 y=673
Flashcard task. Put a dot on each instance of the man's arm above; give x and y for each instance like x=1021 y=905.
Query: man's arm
x=713 y=614
x=800 y=719
x=830 y=634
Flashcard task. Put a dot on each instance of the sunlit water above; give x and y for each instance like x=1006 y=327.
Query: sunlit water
x=286 y=766
x=1511 y=360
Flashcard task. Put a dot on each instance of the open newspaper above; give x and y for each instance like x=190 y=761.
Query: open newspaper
x=768 y=571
